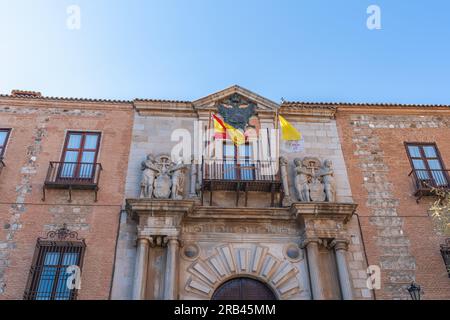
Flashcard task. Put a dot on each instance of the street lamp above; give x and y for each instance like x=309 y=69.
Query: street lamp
x=414 y=291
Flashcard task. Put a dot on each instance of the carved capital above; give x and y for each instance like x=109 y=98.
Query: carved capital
x=173 y=241
x=307 y=241
x=143 y=241
x=158 y=241
x=339 y=244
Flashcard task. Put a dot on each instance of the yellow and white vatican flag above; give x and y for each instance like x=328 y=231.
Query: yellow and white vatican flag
x=288 y=131
x=290 y=136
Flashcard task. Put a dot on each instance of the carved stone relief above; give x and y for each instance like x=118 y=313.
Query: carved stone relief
x=162 y=178
x=253 y=260
x=281 y=228
x=314 y=181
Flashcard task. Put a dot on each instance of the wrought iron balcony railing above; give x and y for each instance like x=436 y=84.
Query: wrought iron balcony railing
x=73 y=176
x=425 y=180
x=241 y=176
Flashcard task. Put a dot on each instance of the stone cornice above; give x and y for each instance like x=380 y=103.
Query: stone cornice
x=307 y=112
x=324 y=210
x=165 y=108
x=317 y=210
x=157 y=217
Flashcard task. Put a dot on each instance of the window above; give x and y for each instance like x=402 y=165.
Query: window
x=79 y=155
x=427 y=164
x=237 y=161
x=50 y=272
x=445 y=251
x=4 y=135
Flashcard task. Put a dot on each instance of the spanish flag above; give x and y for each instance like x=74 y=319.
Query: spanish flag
x=288 y=132
x=222 y=129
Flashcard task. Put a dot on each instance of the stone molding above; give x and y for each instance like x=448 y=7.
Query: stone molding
x=255 y=261
x=324 y=210
x=157 y=217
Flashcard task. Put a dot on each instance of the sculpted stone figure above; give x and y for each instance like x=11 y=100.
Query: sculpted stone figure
x=284 y=179
x=326 y=174
x=302 y=179
x=177 y=171
x=149 y=172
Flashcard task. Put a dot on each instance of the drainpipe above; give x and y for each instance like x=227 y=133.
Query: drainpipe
x=364 y=249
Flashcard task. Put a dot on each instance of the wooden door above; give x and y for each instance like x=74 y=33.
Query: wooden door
x=243 y=289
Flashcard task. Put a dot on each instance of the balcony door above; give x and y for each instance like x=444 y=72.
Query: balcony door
x=4 y=134
x=427 y=164
x=79 y=156
x=238 y=164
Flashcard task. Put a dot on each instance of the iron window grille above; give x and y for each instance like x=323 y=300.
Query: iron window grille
x=445 y=251
x=49 y=274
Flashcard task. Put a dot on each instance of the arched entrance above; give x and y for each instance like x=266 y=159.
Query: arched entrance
x=243 y=289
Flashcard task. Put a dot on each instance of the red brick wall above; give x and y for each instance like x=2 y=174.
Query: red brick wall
x=39 y=128
x=398 y=233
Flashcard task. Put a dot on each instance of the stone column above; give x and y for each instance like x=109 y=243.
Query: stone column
x=284 y=179
x=193 y=191
x=170 y=277
x=340 y=248
x=140 y=269
x=312 y=250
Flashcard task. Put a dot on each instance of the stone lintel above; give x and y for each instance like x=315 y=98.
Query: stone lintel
x=300 y=114
x=158 y=208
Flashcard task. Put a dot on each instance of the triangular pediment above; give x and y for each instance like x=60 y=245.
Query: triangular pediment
x=211 y=101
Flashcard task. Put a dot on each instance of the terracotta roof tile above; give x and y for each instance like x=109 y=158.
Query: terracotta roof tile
x=341 y=104
x=16 y=94
x=161 y=101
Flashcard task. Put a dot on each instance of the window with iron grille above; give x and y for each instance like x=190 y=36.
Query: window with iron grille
x=57 y=260
x=4 y=135
x=427 y=164
x=445 y=251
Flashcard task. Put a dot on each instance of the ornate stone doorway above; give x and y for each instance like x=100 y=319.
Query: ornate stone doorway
x=243 y=289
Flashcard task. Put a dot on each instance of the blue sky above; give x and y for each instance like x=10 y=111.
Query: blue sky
x=316 y=50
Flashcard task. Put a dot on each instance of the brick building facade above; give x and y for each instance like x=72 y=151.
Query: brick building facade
x=152 y=227
x=398 y=231
x=37 y=130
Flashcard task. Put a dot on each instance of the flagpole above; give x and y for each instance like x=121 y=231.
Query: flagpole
x=277 y=145
x=209 y=134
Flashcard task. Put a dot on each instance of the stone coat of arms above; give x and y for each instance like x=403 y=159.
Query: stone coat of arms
x=236 y=111
x=162 y=178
